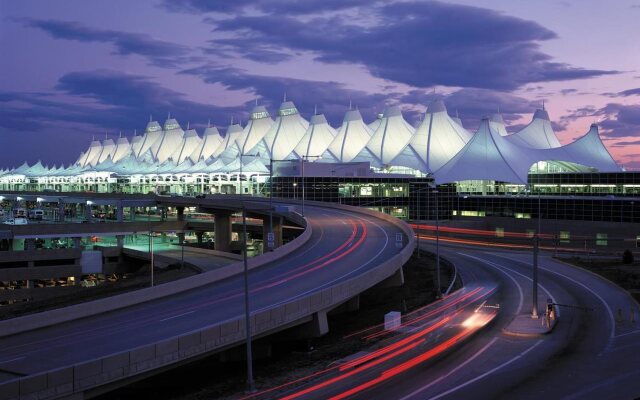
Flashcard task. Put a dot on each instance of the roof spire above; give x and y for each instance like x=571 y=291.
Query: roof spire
x=188 y=125
x=169 y=115
x=150 y=117
x=285 y=96
x=209 y=123
x=315 y=109
x=135 y=132
x=256 y=101
x=457 y=116
x=499 y=108
x=105 y=135
x=120 y=134
x=542 y=104
x=349 y=104
x=231 y=120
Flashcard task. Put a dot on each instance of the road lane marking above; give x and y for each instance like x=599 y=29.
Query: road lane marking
x=612 y=319
x=491 y=371
x=13 y=359
x=456 y=369
x=529 y=279
x=178 y=316
x=504 y=272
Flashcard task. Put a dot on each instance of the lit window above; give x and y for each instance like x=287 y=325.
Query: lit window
x=287 y=111
x=601 y=239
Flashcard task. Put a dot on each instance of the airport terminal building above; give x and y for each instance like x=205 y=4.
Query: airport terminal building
x=387 y=164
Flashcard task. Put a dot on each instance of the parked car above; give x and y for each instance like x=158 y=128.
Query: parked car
x=36 y=214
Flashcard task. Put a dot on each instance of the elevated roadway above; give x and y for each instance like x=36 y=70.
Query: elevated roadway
x=343 y=252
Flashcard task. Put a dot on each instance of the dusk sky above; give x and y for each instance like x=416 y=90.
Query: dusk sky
x=74 y=69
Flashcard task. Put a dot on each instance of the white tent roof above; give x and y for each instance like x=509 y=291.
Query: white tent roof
x=190 y=142
x=376 y=122
x=254 y=132
x=170 y=140
x=488 y=156
x=92 y=153
x=316 y=139
x=228 y=149
x=350 y=139
x=123 y=148
x=538 y=134
x=108 y=149
x=497 y=123
x=210 y=142
x=152 y=133
x=589 y=150
x=285 y=133
x=391 y=136
x=437 y=139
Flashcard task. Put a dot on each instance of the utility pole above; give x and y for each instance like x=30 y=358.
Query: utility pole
x=536 y=244
x=247 y=317
x=437 y=244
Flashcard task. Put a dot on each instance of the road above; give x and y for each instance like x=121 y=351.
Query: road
x=586 y=356
x=342 y=246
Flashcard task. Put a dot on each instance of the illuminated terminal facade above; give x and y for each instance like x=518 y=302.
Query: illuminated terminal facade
x=386 y=164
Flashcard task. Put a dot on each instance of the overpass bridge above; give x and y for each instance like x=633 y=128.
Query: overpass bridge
x=86 y=349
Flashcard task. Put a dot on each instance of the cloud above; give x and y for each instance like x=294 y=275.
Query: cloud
x=626 y=143
x=615 y=120
x=60 y=123
x=290 y=7
x=565 y=92
x=416 y=43
x=158 y=52
x=332 y=98
x=624 y=93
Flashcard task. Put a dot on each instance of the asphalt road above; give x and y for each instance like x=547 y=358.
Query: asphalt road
x=342 y=246
x=589 y=354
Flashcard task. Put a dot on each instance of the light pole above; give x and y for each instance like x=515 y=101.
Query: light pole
x=305 y=158
x=247 y=317
x=418 y=224
x=182 y=251
x=151 y=251
x=437 y=244
x=536 y=244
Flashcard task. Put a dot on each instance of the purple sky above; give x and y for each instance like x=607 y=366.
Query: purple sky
x=76 y=69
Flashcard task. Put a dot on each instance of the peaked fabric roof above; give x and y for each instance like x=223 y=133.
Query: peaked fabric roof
x=256 y=128
x=538 y=134
x=108 y=149
x=316 y=139
x=211 y=140
x=152 y=133
x=350 y=139
x=171 y=139
x=436 y=140
x=228 y=149
x=190 y=142
x=391 y=136
x=285 y=133
x=487 y=156
x=123 y=148
x=588 y=150
x=497 y=123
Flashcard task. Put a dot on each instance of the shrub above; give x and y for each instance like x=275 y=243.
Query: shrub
x=627 y=257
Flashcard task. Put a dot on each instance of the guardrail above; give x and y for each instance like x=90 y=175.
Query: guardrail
x=101 y=371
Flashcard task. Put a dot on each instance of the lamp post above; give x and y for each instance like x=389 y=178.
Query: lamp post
x=437 y=244
x=418 y=223
x=151 y=251
x=536 y=244
x=305 y=158
x=247 y=317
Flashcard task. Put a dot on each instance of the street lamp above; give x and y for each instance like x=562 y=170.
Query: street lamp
x=437 y=244
x=151 y=251
x=305 y=158
x=247 y=316
x=536 y=244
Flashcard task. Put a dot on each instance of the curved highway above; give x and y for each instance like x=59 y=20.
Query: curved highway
x=587 y=355
x=343 y=245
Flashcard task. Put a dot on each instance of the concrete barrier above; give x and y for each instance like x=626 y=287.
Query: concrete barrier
x=105 y=370
x=77 y=311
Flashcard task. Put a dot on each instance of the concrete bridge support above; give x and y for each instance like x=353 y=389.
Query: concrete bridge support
x=395 y=280
x=61 y=211
x=222 y=226
x=180 y=213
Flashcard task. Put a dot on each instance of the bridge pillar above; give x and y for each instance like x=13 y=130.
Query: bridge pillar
x=180 y=238
x=132 y=213
x=277 y=233
x=61 y=211
x=87 y=212
x=120 y=240
x=199 y=236
x=222 y=226
x=119 y=213
x=180 y=213
x=30 y=244
x=76 y=243
x=395 y=280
